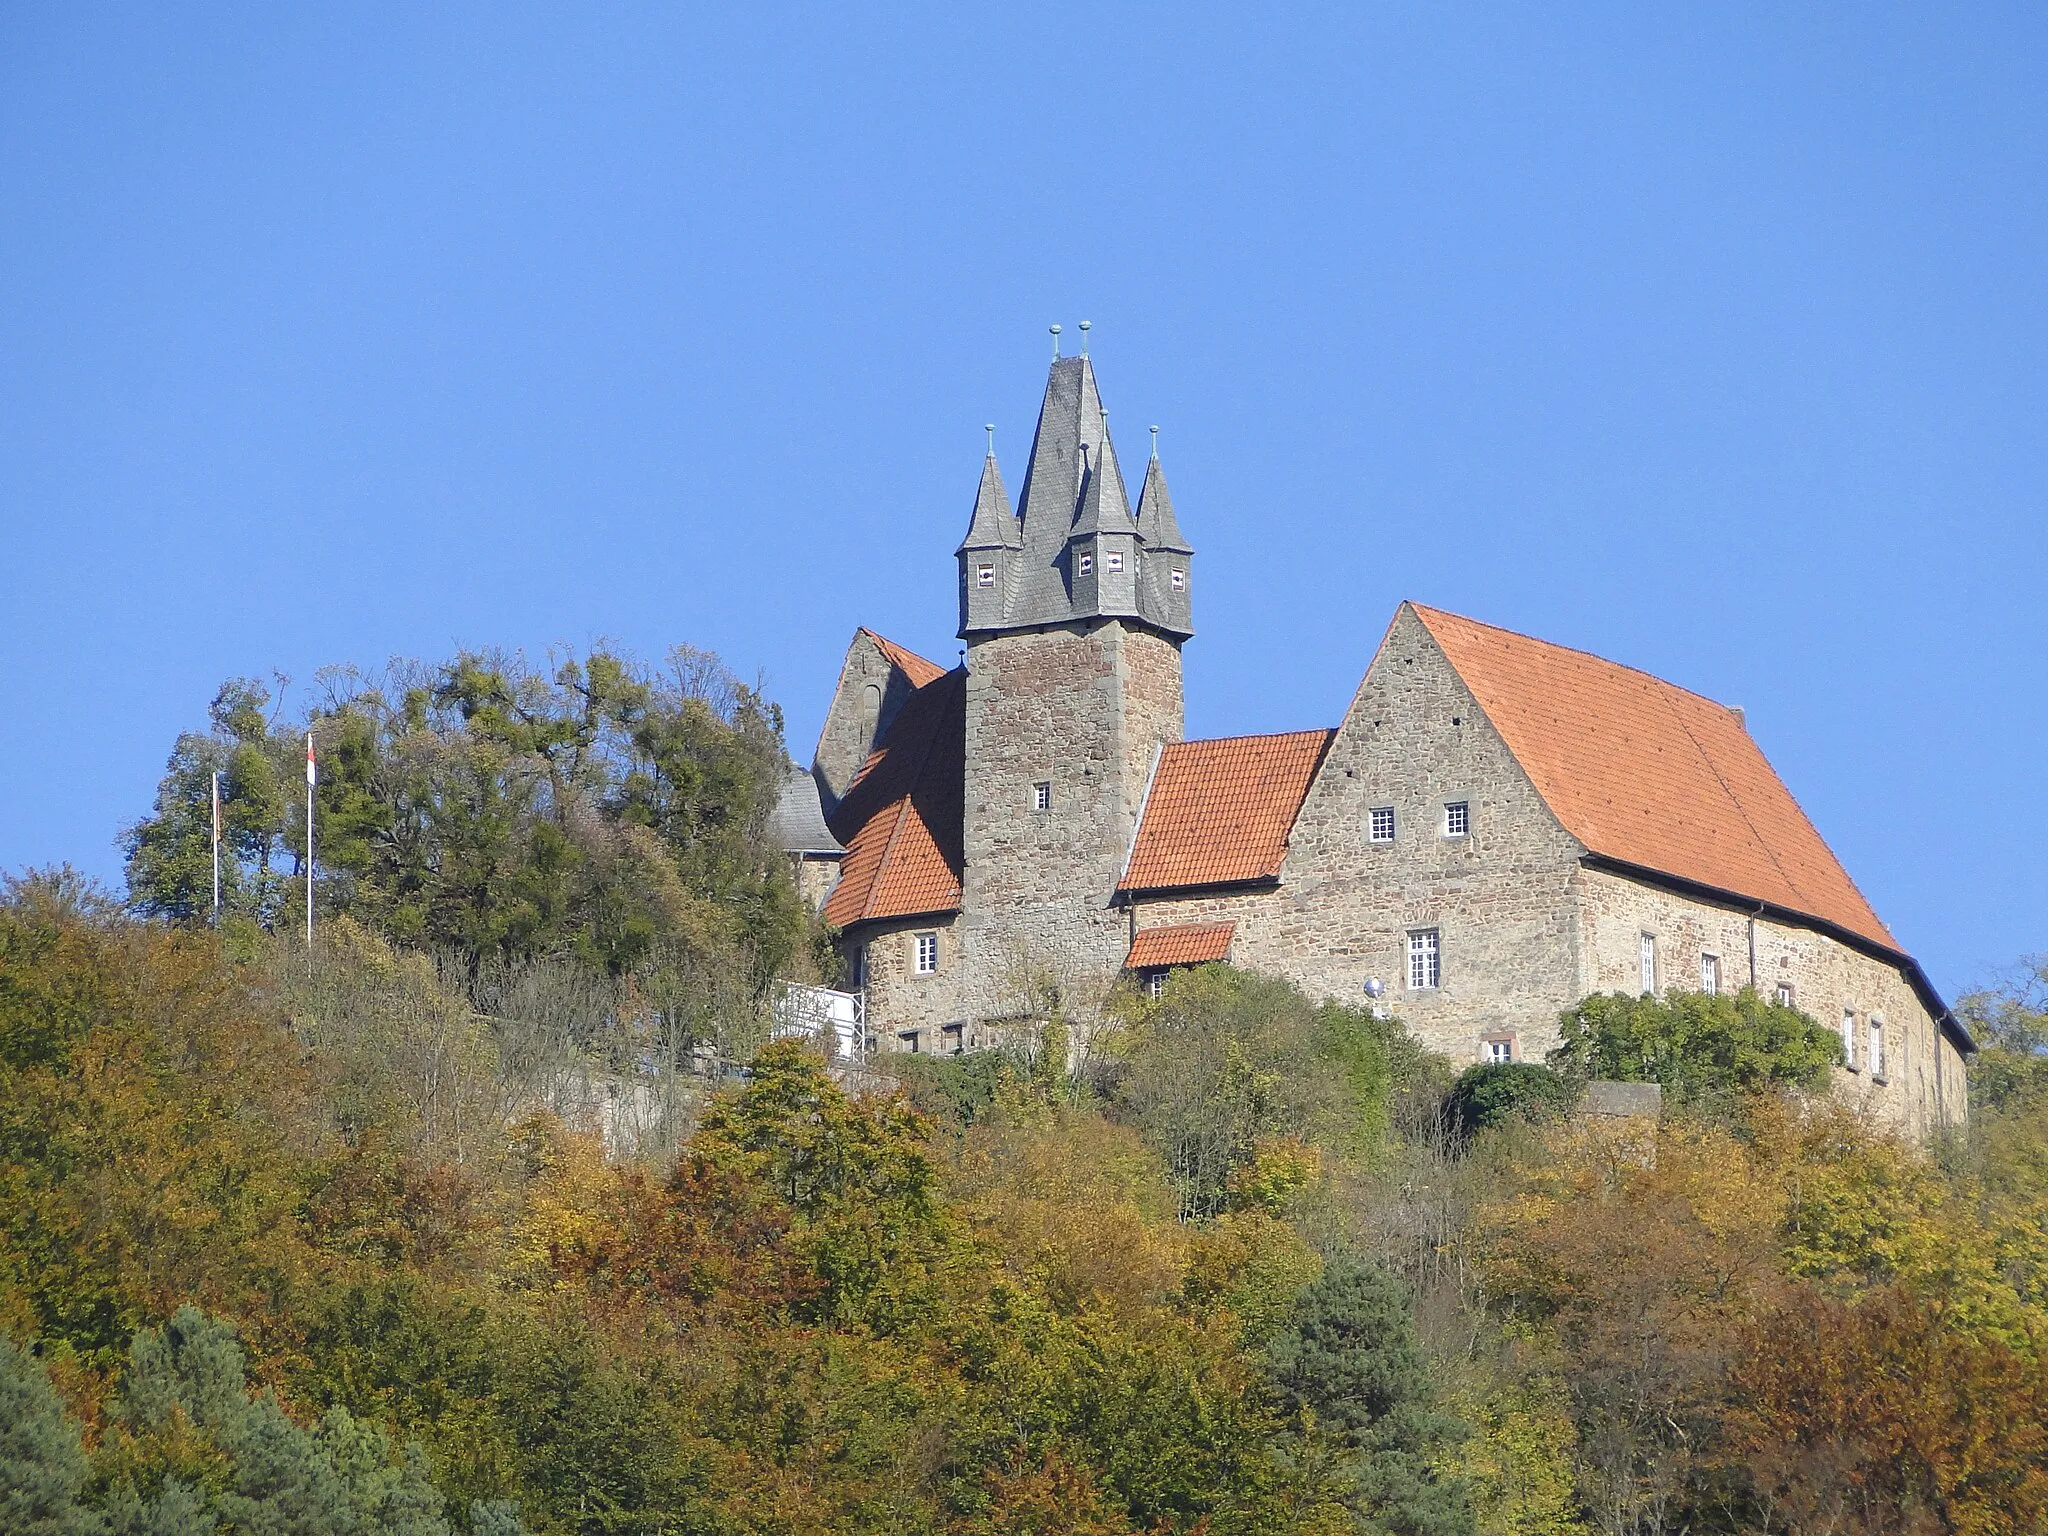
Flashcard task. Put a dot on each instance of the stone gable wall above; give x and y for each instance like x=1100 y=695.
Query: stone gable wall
x=871 y=689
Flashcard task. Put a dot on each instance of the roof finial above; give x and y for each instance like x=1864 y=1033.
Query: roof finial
x=990 y=429
x=1155 y=444
x=1055 y=343
x=1086 y=326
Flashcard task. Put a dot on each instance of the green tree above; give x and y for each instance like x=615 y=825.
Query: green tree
x=42 y=1464
x=1704 y=1050
x=1491 y=1092
x=1349 y=1369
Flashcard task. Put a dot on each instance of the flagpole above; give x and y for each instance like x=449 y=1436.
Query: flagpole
x=216 y=850
x=309 y=853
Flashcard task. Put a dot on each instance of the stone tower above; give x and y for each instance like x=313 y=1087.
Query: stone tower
x=1074 y=612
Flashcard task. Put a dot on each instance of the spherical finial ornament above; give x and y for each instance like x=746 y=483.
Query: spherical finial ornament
x=1155 y=442
x=1055 y=341
x=1086 y=326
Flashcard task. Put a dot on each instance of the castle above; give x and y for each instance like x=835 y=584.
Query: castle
x=1497 y=828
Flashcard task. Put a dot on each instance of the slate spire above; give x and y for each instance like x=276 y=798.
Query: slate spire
x=1164 y=594
x=988 y=555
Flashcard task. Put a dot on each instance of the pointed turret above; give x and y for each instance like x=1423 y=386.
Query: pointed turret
x=1078 y=551
x=1166 y=578
x=1102 y=550
x=988 y=555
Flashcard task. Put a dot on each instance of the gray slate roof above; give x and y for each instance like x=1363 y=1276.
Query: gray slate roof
x=1074 y=490
x=797 y=824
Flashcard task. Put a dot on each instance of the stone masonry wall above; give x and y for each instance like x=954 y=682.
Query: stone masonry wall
x=1924 y=1087
x=871 y=690
x=900 y=1002
x=1497 y=897
x=1085 y=709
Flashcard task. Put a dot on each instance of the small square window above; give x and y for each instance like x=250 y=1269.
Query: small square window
x=984 y=576
x=1457 y=819
x=1041 y=795
x=1180 y=581
x=1381 y=824
x=1112 y=559
x=1425 y=961
x=927 y=954
x=913 y=1040
x=1085 y=564
x=1499 y=1052
x=1849 y=1038
x=1784 y=994
x=1646 y=965
x=1877 y=1050
x=1710 y=974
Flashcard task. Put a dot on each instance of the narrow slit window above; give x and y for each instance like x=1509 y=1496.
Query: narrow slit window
x=1877 y=1050
x=1382 y=824
x=1646 y=965
x=1710 y=974
x=1041 y=795
x=1849 y=1038
x=1425 y=960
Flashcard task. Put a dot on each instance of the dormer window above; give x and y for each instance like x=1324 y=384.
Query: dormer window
x=1112 y=560
x=1180 y=581
x=984 y=576
x=1085 y=565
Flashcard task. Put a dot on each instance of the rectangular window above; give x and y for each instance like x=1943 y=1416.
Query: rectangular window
x=1180 y=581
x=1646 y=964
x=1112 y=559
x=857 y=967
x=1085 y=564
x=1382 y=824
x=1155 y=983
x=913 y=1041
x=953 y=1039
x=1041 y=795
x=1784 y=994
x=1877 y=1049
x=1425 y=960
x=927 y=953
x=1849 y=1038
x=1499 y=1052
x=1710 y=974
x=1457 y=819
x=984 y=576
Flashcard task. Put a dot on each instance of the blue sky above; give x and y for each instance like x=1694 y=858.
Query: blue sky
x=1714 y=343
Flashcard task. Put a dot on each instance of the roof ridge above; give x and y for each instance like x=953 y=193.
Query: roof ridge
x=1572 y=650
x=867 y=906
x=897 y=653
x=1212 y=741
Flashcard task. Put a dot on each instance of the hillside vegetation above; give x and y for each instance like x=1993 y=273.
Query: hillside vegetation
x=441 y=1233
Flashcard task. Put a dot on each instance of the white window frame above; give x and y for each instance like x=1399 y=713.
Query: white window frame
x=1085 y=566
x=984 y=576
x=1180 y=580
x=1877 y=1062
x=1646 y=963
x=1499 y=1052
x=1373 y=834
x=1425 y=959
x=1112 y=559
x=924 y=953
x=1457 y=818
x=1786 y=995
x=1041 y=795
x=1710 y=974
x=1849 y=1038
x=1155 y=982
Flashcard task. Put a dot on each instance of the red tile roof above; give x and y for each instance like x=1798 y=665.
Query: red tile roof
x=900 y=819
x=1219 y=812
x=1648 y=774
x=1182 y=944
x=912 y=665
